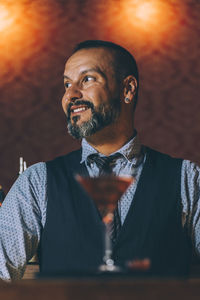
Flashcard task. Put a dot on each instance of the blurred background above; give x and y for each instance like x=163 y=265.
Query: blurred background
x=36 y=37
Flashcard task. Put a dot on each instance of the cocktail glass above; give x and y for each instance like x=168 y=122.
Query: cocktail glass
x=105 y=192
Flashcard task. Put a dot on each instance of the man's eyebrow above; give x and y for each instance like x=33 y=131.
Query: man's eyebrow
x=98 y=70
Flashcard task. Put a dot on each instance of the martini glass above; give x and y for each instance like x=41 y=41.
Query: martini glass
x=105 y=192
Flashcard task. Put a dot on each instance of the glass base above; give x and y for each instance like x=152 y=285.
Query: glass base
x=106 y=268
x=109 y=266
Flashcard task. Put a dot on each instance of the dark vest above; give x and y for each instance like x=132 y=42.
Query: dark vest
x=72 y=238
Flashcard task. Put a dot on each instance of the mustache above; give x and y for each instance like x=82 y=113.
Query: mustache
x=79 y=102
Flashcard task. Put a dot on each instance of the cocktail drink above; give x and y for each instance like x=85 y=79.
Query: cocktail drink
x=105 y=192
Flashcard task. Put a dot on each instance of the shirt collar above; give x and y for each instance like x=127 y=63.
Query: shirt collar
x=131 y=150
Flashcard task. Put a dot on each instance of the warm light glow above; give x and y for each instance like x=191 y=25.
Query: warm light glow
x=145 y=11
x=5 y=18
x=146 y=14
x=16 y=28
x=142 y=23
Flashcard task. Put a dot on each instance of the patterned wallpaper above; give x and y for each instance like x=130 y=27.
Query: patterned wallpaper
x=36 y=37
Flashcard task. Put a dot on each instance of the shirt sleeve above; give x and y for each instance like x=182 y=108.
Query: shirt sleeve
x=190 y=194
x=22 y=215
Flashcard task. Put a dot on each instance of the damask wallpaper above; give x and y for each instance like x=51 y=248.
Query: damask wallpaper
x=36 y=37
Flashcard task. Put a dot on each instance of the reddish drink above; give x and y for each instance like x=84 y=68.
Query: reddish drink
x=105 y=190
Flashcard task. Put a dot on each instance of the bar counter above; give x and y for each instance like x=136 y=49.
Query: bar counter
x=116 y=289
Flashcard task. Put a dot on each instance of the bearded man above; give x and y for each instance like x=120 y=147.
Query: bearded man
x=47 y=211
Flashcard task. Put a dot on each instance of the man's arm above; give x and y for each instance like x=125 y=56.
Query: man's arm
x=22 y=216
x=190 y=193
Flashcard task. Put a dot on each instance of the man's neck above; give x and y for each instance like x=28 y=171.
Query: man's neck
x=107 y=142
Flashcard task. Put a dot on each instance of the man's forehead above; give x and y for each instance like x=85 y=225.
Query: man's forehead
x=89 y=58
x=91 y=54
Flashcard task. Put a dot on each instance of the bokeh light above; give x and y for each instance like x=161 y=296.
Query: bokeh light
x=146 y=11
x=6 y=18
x=146 y=14
x=149 y=22
x=19 y=33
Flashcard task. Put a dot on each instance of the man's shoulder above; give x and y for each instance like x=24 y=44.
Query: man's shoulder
x=35 y=173
x=155 y=154
x=191 y=168
x=64 y=164
x=73 y=155
x=38 y=170
x=188 y=166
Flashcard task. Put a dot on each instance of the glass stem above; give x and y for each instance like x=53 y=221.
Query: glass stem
x=108 y=247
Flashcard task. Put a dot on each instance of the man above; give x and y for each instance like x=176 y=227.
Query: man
x=46 y=209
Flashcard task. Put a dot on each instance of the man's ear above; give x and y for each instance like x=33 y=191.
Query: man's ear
x=130 y=88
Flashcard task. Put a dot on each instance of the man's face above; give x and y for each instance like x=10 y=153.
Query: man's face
x=92 y=93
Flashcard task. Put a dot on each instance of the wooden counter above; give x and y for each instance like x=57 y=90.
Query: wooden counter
x=101 y=289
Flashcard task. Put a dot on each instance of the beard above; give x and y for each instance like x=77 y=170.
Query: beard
x=101 y=116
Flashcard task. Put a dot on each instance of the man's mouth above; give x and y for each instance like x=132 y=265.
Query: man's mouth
x=78 y=109
x=75 y=110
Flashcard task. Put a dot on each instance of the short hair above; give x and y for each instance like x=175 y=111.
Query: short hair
x=124 y=63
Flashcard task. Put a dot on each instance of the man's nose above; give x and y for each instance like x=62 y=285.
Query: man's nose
x=73 y=93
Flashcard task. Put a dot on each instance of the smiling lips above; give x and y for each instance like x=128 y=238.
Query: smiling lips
x=78 y=109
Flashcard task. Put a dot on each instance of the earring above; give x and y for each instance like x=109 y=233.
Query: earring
x=127 y=100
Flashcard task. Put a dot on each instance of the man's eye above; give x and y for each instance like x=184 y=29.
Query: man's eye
x=67 y=85
x=88 y=78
